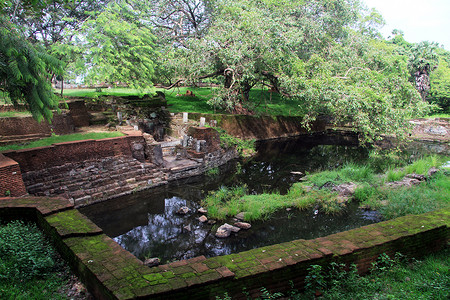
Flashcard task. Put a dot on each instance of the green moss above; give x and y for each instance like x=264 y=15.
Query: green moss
x=168 y=274
x=153 y=277
x=72 y=222
x=188 y=275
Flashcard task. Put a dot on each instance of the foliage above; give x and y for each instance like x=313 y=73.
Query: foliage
x=25 y=70
x=61 y=139
x=423 y=60
x=390 y=278
x=242 y=146
x=325 y=57
x=440 y=85
x=213 y=172
x=116 y=47
x=49 y=21
x=25 y=253
x=30 y=267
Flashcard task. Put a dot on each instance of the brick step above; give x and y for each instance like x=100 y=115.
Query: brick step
x=14 y=139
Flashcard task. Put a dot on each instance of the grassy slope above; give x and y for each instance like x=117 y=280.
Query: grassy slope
x=61 y=139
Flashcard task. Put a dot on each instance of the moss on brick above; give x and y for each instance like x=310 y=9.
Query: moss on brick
x=72 y=222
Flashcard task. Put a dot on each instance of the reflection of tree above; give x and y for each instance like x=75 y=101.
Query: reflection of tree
x=164 y=236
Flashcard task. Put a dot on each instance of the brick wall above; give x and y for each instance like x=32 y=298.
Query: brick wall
x=210 y=135
x=260 y=128
x=72 y=152
x=11 y=182
x=16 y=126
x=79 y=113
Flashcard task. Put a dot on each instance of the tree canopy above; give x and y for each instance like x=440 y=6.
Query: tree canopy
x=25 y=71
x=327 y=55
x=115 y=47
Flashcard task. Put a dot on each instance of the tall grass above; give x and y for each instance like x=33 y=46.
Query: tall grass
x=317 y=192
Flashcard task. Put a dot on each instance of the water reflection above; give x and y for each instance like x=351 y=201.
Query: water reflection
x=146 y=223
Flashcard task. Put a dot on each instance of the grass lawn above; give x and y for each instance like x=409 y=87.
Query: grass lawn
x=261 y=101
x=61 y=139
x=9 y=114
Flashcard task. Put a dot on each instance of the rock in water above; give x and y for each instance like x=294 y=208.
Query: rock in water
x=222 y=233
x=187 y=228
x=240 y=216
x=432 y=171
x=202 y=210
x=225 y=230
x=203 y=219
x=242 y=225
x=183 y=210
x=152 y=262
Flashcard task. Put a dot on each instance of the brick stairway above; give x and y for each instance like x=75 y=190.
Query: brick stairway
x=93 y=181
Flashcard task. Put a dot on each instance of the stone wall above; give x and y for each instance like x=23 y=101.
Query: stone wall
x=74 y=152
x=260 y=128
x=110 y=272
x=11 y=183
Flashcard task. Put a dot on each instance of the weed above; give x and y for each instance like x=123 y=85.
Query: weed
x=213 y=172
x=29 y=267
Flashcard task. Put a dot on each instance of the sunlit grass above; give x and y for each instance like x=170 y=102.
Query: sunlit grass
x=61 y=139
x=10 y=114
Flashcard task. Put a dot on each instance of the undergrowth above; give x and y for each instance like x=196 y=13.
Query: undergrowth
x=394 y=277
x=29 y=266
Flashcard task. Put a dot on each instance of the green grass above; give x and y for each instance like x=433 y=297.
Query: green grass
x=316 y=192
x=29 y=267
x=391 y=278
x=438 y=115
x=105 y=92
x=61 y=139
x=392 y=203
x=261 y=101
x=9 y=114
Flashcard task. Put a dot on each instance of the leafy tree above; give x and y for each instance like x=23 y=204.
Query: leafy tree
x=423 y=60
x=25 y=71
x=48 y=21
x=116 y=47
x=250 y=42
x=323 y=54
x=440 y=82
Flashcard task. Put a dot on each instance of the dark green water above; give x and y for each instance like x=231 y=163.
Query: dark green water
x=146 y=224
